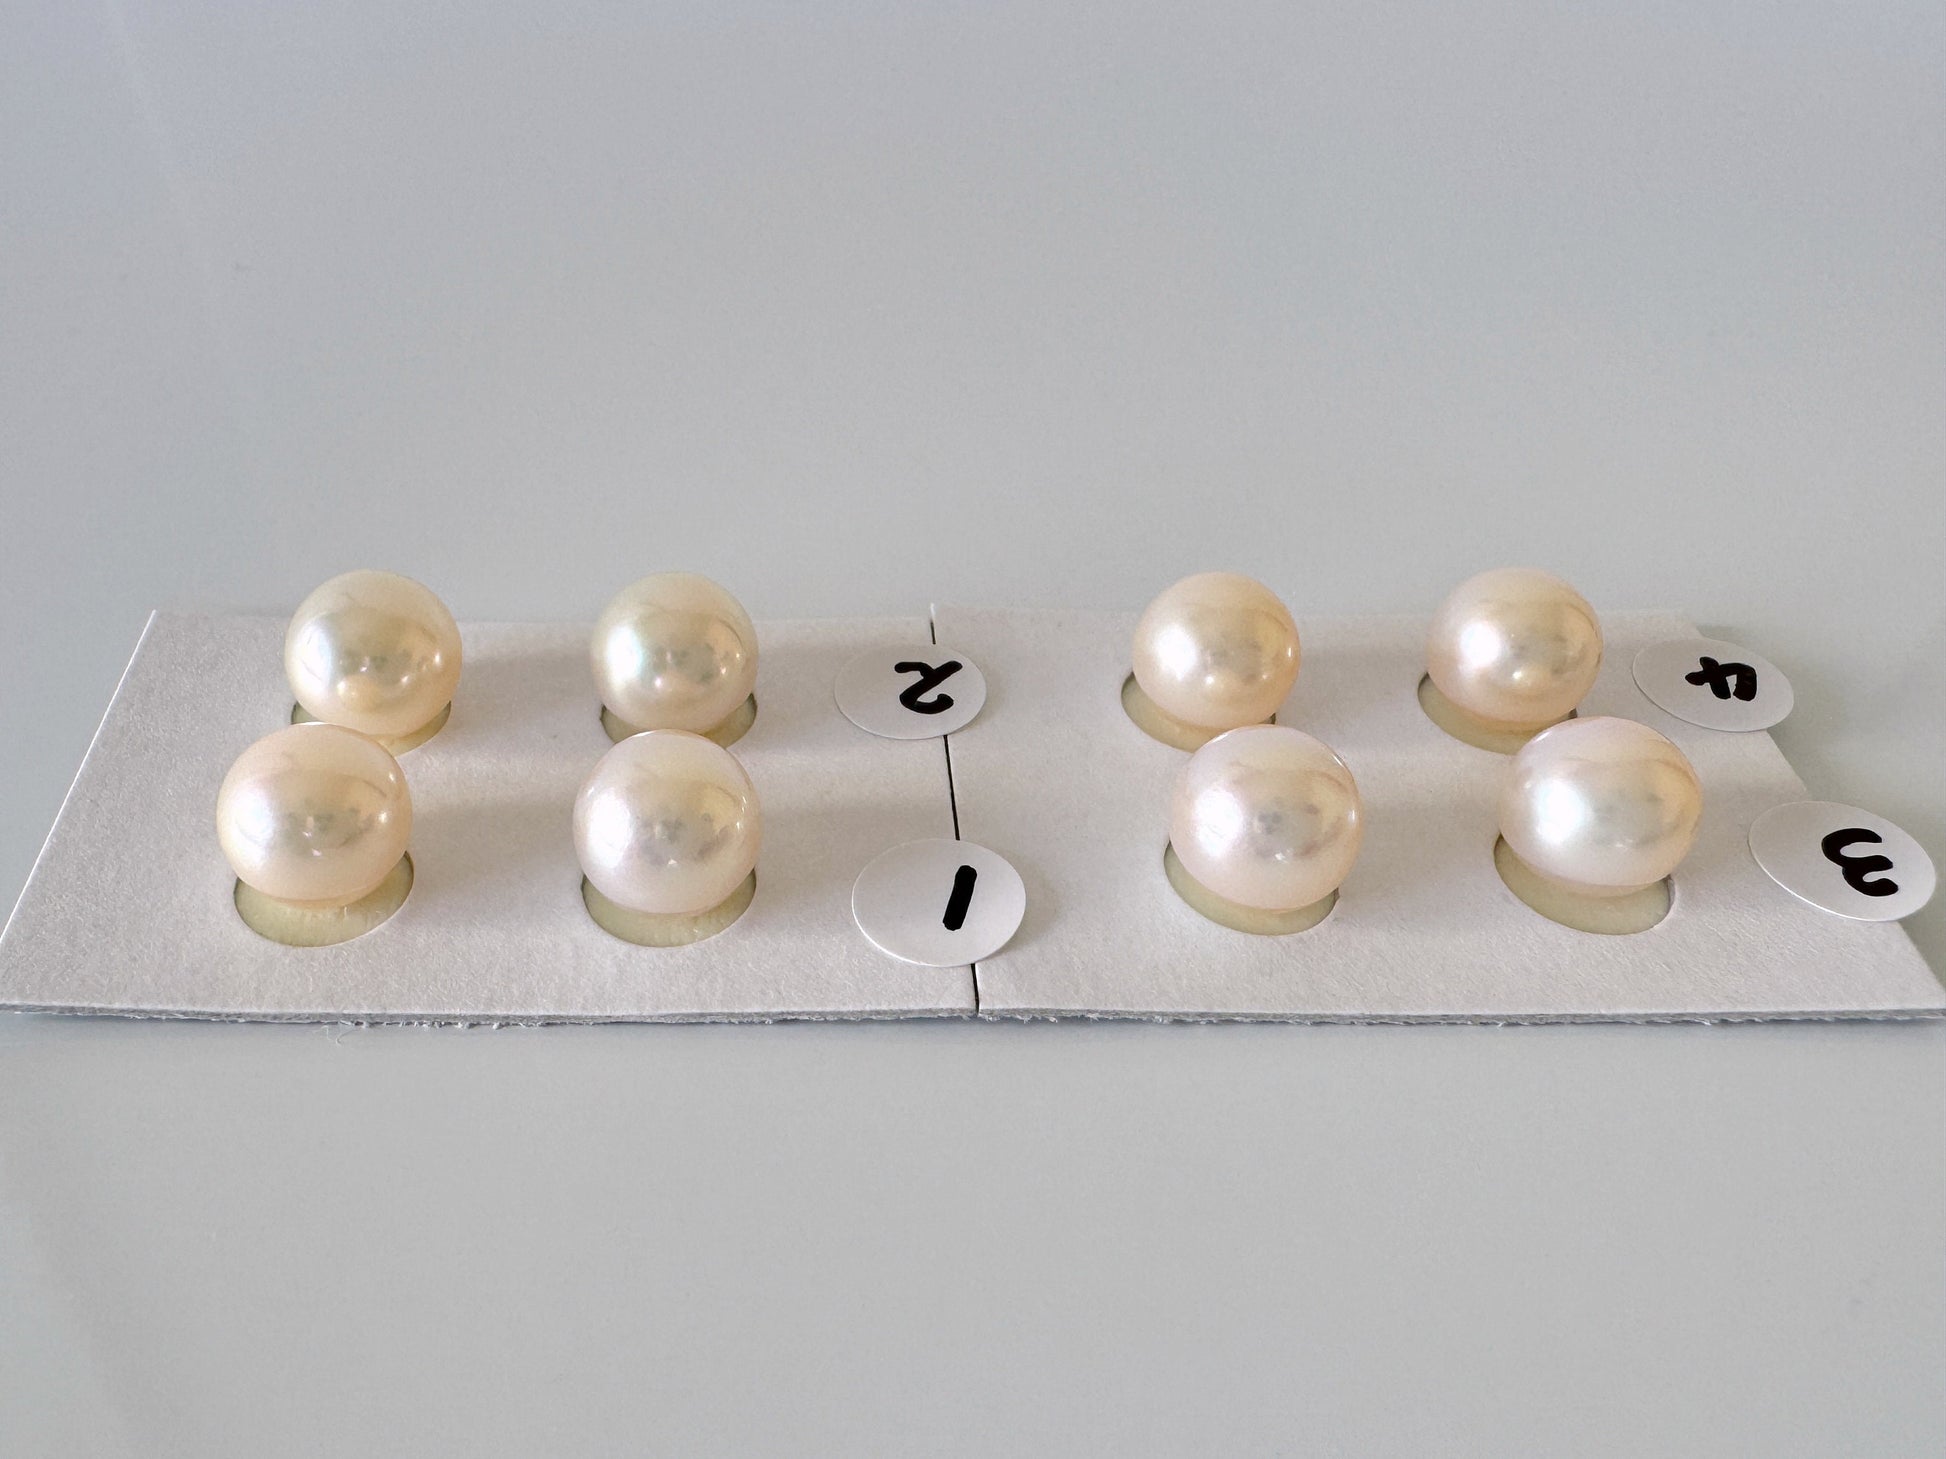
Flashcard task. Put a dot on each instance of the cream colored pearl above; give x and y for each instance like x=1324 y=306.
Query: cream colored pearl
x=674 y=651
x=1267 y=817
x=1516 y=648
x=315 y=814
x=1217 y=650
x=1602 y=806
x=668 y=822
x=374 y=652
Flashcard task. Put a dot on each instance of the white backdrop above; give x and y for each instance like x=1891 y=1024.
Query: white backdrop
x=856 y=306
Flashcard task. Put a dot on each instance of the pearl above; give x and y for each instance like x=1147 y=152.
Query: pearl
x=1603 y=807
x=674 y=651
x=1267 y=817
x=314 y=814
x=667 y=823
x=1515 y=648
x=374 y=652
x=1216 y=651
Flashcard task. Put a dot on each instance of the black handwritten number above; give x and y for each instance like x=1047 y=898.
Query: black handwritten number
x=929 y=678
x=961 y=899
x=1719 y=677
x=1858 y=868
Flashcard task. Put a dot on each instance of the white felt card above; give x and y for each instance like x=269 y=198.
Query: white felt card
x=1055 y=777
x=129 y=909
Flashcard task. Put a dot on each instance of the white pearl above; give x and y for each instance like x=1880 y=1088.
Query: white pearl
x=315 y=814
x=1267 y=817
x=674 y=651
x=1217 y=650
x=1516 y=648
x=668 y=822
x=374 y=652
x=1602 y=806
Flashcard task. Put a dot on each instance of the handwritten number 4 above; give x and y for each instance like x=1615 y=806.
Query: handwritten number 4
x=1724 y=680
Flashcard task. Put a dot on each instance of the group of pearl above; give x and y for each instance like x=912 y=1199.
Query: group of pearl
x=1266 y=821
x=315 y=818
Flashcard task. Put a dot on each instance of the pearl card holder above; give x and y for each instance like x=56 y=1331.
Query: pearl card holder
x=1390 y=897
x=130 y=908
x=1425 y=927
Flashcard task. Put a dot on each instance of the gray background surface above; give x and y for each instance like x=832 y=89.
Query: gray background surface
x=1018 y=305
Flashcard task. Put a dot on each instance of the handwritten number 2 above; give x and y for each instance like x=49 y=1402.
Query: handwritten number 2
x=929 y=678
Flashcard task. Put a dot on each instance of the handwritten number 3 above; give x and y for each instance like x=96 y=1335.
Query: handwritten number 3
x=1858 y=868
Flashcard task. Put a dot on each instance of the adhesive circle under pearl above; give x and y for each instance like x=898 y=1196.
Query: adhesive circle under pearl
x=1512 y=650
x=1595 y=811
x=1213 y=652
x=675 y=651
x=1470 y=731
x=1147 y=717
x=666 y=929
x=394 y=744
x=667 y=829
x=296 y=926
x=1622 y=915
x=374 y=652
x=725 y=734
x=1265 y=823
x=314 y=820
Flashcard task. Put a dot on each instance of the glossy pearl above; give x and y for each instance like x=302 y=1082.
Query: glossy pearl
x=1217 y=651
x=314 y=814
x=1516 y=648
x=668 y=823
x=674 y=651
x=374 y=652
x=1267 y=817
x=1601 y=806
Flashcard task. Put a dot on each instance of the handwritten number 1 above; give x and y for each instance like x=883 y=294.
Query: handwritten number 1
x=961 y=899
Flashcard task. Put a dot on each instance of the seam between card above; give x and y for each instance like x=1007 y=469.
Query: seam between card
x=952 y=792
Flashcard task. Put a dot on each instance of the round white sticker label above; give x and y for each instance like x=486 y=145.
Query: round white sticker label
x=1717 y=685
x=939 y=902
x=1843 y=860
x=911 y=693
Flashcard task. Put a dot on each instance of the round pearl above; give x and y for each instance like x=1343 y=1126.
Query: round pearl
x=1267 y=817
x=374 y=652
x=1217 y=651
x=1516 y=648
x=668 y=822
x=315 y=814
x=674 y=651
x=1602 y=806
